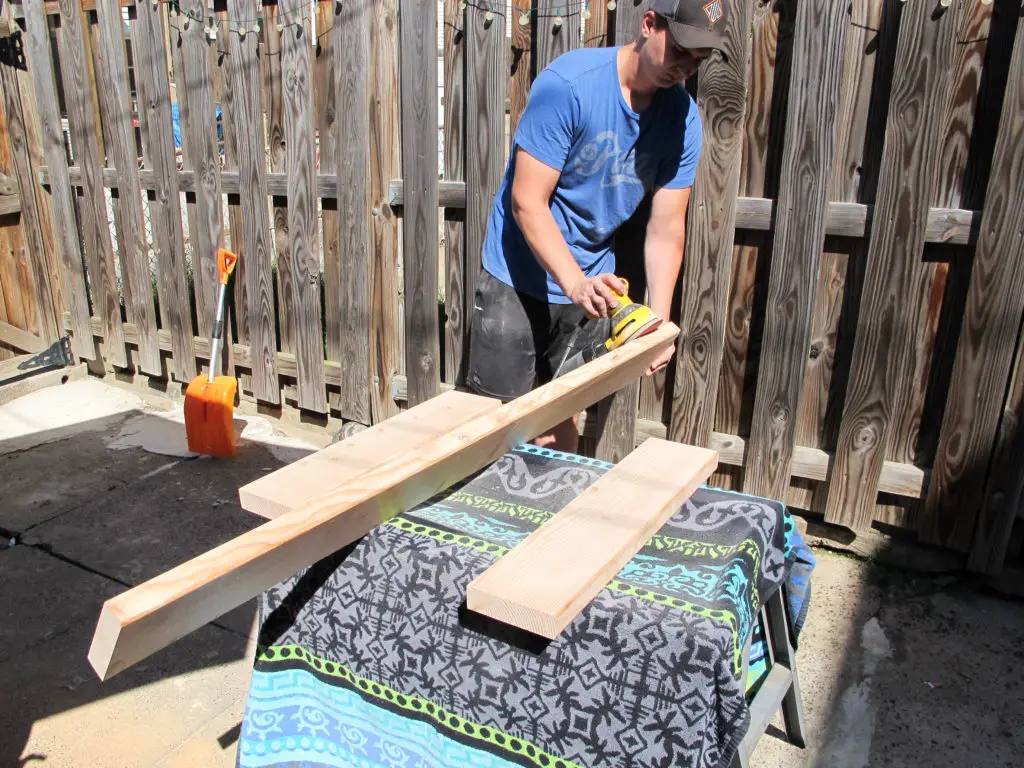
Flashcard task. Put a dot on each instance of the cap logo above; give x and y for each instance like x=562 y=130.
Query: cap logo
x=714 y=11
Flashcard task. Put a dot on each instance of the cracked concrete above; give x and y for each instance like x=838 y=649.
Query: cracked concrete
x=896 y=668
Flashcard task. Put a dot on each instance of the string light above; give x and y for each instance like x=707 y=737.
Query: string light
x=611 y=5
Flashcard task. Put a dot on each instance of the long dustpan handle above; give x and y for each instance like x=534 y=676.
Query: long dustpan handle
x=225 y=266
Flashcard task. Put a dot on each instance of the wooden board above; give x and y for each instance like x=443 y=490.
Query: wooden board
x=92 y=206
x=418 y=92
x=302 y=253
x=119 y=142
x=352 y=161
x=895 y=278
x=595 y=30
x=556 y=31
x=485 y=130
x=165 y=202
x=544 y=582
x=254 y=246
x=385 y=164
x=38 y=54
x=522 y=65
x=985 y=352
x=709 y=235
x=628 y=15
x=154 y=614
x=456 y=311
x=799 y=236
x=199 y=145
x=321 y=472
x=325 y=106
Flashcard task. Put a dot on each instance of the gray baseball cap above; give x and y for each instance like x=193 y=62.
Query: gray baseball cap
x=695 y=23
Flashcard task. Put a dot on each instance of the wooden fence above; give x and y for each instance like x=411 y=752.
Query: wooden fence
x=853 y=285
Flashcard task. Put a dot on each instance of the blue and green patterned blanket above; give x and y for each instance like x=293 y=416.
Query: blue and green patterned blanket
x=370 y=658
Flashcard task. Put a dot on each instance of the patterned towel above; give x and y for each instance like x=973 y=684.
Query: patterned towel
x=370 y=658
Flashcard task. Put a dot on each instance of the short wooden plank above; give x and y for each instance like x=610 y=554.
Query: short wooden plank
x=19 y=338
x=302 y=253
x=10 y=204
x=883 y=348
x=557 y=30
x=385 y=164
x=321 y=472
x=154 y=614
x=456 y=311
x=254 y=247
x=418 y=91
x=165 y=202
x=799 y=236
x=199 y=144
x=485 y=129
x=546 y=580
x=353 y=91
x=39 y=56
x=987 y=345
x=764 y=707
x=710 y=229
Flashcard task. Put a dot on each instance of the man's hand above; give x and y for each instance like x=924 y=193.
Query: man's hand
x=594 y=294
x=661 y=360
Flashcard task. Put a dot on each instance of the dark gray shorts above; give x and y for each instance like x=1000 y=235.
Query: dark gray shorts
x=516 y=342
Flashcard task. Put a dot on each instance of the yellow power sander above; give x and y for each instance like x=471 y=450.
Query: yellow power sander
x=629 y=321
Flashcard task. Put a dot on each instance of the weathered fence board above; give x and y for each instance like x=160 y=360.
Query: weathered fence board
x=255 y=246
x=521 y=67
x=454 y=170
x=325 y=107
x=799 y=235
x=557 y=30
x=39 y=56
x=883 y=355
x=985 y=353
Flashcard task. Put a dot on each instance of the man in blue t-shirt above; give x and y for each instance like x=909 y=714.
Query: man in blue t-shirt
x=602 y=129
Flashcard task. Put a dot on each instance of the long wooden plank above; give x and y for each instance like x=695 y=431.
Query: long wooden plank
x=544 y=582
x=418 y=90
x=38 y=53
x=254 y=246
x=325 y=104
x=165 y=204
x=557 y=31
x=154 y=614
x=985 y=352
x=721 y=94
x=456 y=312
x=799 y=236
x=321 y=472
x=353 y=92
x=385 y=164
x=883 y=349
x=119 y=140
x=304 y=258
x=485 y=130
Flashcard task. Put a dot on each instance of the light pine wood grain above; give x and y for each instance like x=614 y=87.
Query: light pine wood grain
x=154 y=614
x=254 y=244
x=303 y=254
x=456 y=310
x=39 y=56
x=799 y=236
x=884 y=349
x=319 y=473
x=710 y=228
x=418 y=93
x=546 y=580
x=985 y=353
x=165 y=201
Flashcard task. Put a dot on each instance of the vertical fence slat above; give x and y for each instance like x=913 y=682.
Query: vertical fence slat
x=896 y=276
x=595 y=32
x=99 y=249
x=522 y=64
x=352 y=49
x=255 y=246
x=454 y=162
x=17 y=301
x=628 y=14
x=485 y=114
x=119 y=140
x=710 y=233
x=418 y=92
x=799 y=235
x=984 y=356
x=165 y=201
x=37 y=50
x=324 y=72
x=553 y=38
x=297 y=76
x=199 y=142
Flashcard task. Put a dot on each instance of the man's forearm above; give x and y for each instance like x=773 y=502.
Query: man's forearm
x=663 y=258
x=548 y=245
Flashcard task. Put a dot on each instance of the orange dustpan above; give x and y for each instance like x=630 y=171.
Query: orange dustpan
x=210 y=400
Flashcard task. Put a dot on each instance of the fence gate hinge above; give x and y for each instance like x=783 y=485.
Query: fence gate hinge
x=11 y=51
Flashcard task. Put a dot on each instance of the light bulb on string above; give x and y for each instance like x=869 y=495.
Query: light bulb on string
x=524 y=19
x=558 y=23
x=611 y=5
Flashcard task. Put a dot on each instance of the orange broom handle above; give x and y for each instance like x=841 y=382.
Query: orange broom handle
x=226 y=261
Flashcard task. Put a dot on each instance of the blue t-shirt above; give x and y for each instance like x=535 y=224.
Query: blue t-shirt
x=577 y=120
